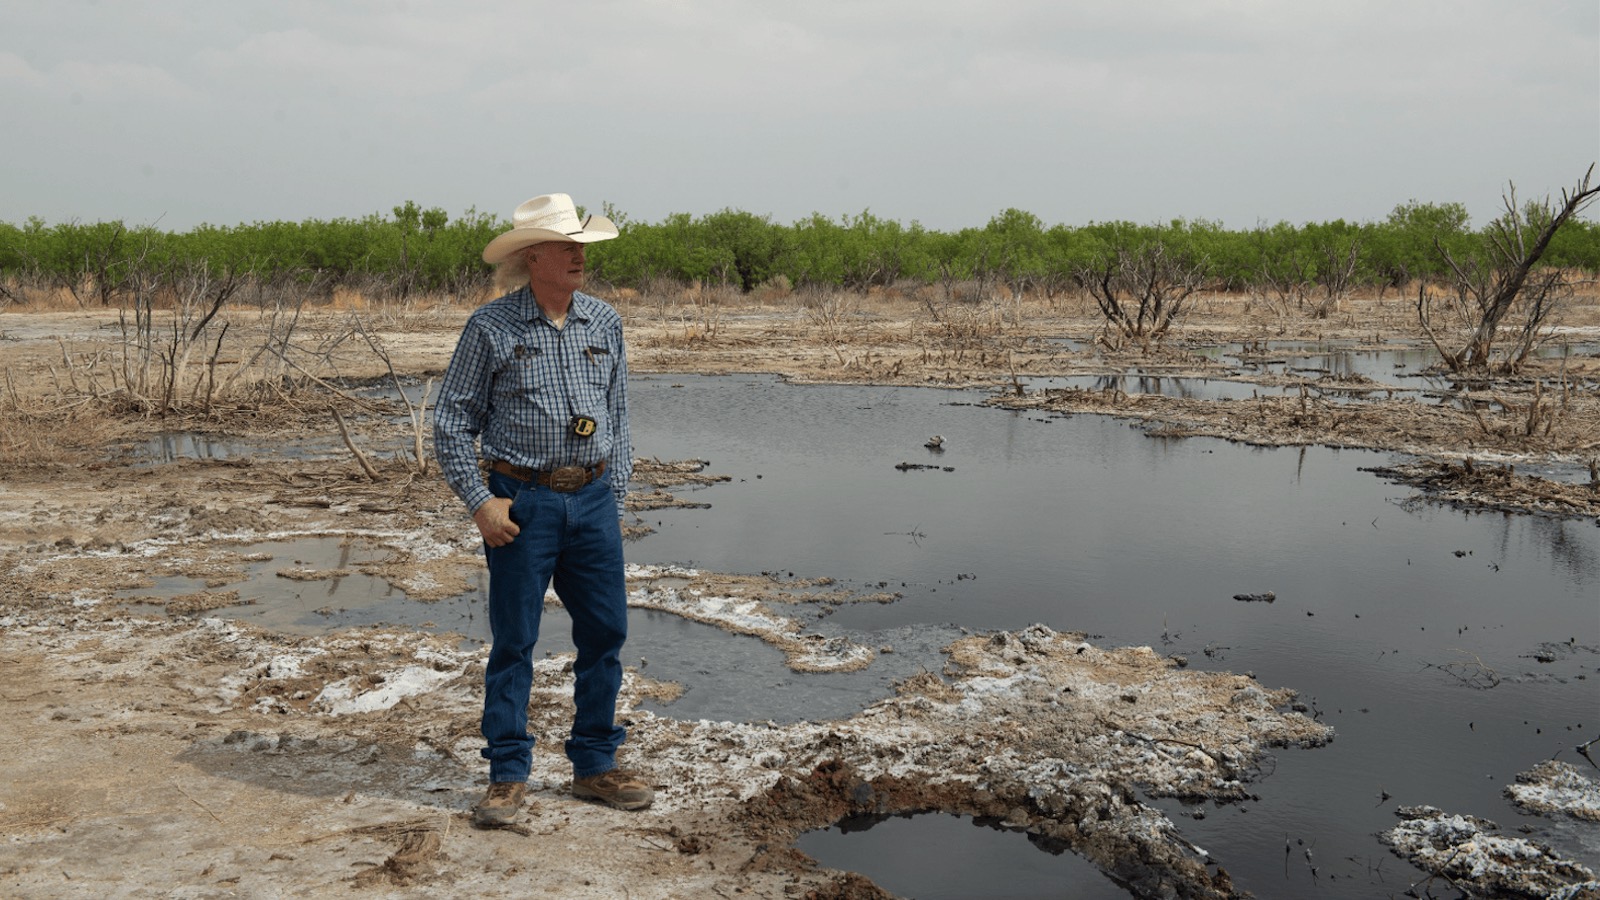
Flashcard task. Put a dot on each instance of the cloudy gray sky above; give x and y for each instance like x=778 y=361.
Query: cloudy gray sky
x=937 y=111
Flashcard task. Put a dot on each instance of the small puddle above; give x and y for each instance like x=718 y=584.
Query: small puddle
x=1338 y=359
x=172 y=446
x=395 y=435
x=310 y=586
x=303 y=586
x=1347 y=358
x=944 y=857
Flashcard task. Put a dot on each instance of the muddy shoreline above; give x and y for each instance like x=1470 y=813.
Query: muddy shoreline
x=237 y=761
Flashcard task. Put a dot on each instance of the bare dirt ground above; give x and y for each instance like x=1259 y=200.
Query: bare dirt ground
x=190 y=756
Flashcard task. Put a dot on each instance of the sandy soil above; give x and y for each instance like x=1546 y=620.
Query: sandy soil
x=189 y=756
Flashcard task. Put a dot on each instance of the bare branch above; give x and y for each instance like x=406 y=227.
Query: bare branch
x=361 y=458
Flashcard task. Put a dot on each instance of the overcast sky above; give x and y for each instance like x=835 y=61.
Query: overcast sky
x=936 y=111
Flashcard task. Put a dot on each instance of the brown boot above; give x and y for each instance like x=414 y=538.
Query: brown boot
x=615 y=788
x=500 y=805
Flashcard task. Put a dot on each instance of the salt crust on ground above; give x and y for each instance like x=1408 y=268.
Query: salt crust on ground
x=105 y=572
x=1472 y=854
x=266 y=764
x=1557 y=788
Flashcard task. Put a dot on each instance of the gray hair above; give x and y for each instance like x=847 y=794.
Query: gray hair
x=512 y=272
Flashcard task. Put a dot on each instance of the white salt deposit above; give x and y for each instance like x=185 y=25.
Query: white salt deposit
x=1554 y=787
x=344 y=697
x=1470 y=850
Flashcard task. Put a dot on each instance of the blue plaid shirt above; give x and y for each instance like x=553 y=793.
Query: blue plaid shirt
x=516 y=381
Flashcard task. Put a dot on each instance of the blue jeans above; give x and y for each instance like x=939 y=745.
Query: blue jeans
x=576 y=540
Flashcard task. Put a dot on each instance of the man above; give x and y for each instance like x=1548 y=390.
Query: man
x=539 y=382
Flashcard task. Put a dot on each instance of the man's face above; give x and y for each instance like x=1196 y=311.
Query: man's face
x=557 y=264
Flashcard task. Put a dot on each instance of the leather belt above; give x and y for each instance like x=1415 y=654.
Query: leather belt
x=564 y=479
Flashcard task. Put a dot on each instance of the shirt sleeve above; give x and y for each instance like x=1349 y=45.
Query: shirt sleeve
x=459 y=416
x=620 y=461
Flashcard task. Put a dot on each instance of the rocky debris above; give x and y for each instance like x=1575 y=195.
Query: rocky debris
x=1477 y=859
x=226 y=521
x=1263 y=597
x=648 y=489
x=1555 y=788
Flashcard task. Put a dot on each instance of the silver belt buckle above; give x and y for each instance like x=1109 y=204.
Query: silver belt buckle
x=567 y=479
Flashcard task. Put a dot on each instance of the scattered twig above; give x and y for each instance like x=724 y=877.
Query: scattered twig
x=1411 y=890
x=361 y=458
x=415 y=412
x=5 y=826
x=1583 y=751
x=915 y=534
x=191 y=799
x=1474 y=674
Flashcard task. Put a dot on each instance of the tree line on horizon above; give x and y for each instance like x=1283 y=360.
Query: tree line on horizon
x=425 y=250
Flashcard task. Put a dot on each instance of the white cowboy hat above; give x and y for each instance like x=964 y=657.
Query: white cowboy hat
x=549 y=217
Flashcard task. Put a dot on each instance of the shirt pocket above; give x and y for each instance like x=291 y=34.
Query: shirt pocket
x=601 y=369
x=518 y=379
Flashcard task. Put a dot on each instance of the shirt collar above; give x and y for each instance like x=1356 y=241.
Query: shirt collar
x=582 y=307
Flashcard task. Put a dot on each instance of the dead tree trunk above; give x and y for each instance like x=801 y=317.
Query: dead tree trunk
x=1503 y=279
x=1142 y=291
x=1335 y=274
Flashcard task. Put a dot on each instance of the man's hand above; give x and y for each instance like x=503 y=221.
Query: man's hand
x=493 y=519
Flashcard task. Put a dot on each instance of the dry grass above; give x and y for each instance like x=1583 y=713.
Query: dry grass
x=18 y=294
x=250 y=370
x=345 y=298
x=281 y=366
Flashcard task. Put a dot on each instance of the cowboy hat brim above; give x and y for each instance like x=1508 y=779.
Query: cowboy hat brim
x=594 y=228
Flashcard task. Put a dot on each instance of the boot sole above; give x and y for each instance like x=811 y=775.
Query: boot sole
x=629 y=805
x=493 y=821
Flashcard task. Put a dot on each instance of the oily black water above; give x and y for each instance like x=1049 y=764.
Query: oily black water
x=1415 y=630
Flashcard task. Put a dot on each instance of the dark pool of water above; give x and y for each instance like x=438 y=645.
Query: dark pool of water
x=956 y=858
x=1084 y=523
